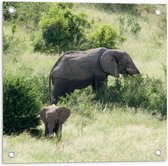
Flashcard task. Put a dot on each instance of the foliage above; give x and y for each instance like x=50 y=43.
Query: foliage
x=13 y=45
x=7 y=42
x=139 y=91
x=104 y=36
x=80 y=105
x=61 y=29
x=21 y=104
x=128 y=24
x=27 y=14
x=6 y=15
x=121 y=8
x=43 y=87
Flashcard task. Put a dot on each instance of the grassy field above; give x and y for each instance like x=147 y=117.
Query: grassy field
x=113 y=135
x=95 y=131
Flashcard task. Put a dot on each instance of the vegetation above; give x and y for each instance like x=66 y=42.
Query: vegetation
x=116 y=134
x=61 y=24
x=128 y=119
x=104 y=36
x=21 y=104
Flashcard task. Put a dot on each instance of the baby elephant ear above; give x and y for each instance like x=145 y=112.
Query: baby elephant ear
x=43 y=115
x=109 y=64
x=63 y=114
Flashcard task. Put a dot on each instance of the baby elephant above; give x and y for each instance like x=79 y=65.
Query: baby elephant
x=53 y=118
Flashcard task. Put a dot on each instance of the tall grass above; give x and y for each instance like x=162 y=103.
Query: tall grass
x=117 y=134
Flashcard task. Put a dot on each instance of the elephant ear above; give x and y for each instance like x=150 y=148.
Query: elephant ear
x=43 y=115
x=109 y=64
x=63 y=114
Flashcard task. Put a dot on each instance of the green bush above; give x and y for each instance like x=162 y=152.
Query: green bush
x=139 y=91
x=104 y=36
x=21 y=104
x=61 y=29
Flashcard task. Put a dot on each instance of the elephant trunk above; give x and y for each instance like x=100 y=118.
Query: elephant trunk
x=133 y=71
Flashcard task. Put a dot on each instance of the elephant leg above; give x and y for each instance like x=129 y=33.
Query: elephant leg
x=93 y=84
x=59 y=131
x=99 y=83
x=51 y=125
x=61 y=88
x=56 y=128
x=46 y=129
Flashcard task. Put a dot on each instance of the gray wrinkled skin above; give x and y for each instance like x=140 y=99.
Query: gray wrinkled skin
x=53 y=117
x=79 y=69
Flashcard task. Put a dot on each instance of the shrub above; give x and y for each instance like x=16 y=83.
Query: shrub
x=61 y=29
x=104 y=36
x=139 y=91
x=43 y=87
x=20 y=104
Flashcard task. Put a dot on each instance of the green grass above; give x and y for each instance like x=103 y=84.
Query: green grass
x=116 y=135
x=95 y=131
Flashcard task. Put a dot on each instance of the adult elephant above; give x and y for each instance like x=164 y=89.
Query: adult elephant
x=78 y=69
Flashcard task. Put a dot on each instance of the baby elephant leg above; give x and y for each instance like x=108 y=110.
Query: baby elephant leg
x=46 y=129
x=57 y=130
x=51 y=126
